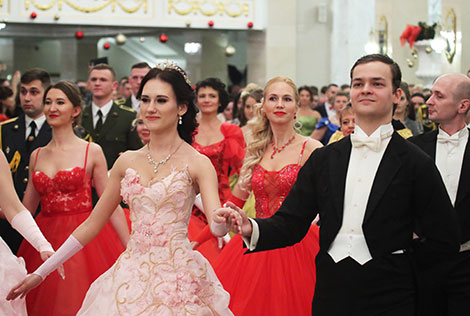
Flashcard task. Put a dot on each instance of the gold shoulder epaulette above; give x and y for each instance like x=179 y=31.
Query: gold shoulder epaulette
x=405 y=133
x=126 y=108
x=9 y=121
x=120 y=101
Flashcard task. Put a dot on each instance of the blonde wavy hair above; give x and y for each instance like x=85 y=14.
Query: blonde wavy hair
x=261 y=134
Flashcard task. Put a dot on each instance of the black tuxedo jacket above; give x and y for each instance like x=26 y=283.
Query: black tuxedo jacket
x=321 y=109
x=427 y=142
x=407 y=191
x=117 y=134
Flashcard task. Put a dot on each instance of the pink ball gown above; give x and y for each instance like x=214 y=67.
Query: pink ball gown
x=158 y=273
x=277 y=282
x=65 y=204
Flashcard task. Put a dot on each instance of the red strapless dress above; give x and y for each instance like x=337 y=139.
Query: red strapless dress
x=277 y=282
x=65 y=204
x=226 y=156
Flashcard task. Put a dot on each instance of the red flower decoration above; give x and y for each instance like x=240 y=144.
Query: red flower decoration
x=409 y=35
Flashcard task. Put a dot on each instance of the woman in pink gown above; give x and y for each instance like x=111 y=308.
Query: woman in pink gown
x=277 y=282
x=224 y=144
x=62 y=173
x=158 y=273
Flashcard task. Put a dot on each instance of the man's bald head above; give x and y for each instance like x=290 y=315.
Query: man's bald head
x=460 y=84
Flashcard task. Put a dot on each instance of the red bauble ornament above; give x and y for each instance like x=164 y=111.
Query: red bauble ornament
x=79 y=34
x=250 y=25
x=33 y=15
x=210 y=23
x=163 y=38
x=106 y=45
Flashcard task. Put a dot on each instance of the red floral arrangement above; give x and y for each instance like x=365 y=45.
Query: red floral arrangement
x=413 y=33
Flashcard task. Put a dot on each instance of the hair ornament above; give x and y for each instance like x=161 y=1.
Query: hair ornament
x=167 y=65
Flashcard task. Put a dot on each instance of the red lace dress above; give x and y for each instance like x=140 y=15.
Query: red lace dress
x=226 y=156
x=277 y=282
x=65 y=204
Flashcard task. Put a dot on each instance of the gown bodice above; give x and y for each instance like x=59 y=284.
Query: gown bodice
x=68 y=192
x=160 y=212
x=271 y=188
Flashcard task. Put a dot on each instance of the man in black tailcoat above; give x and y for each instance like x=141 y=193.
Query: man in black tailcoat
x=372 y=190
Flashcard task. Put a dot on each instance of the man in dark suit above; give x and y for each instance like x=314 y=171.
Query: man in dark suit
x=21 y=136
x=138 y=72
x=371 y=190
x=107 y=123
x=445 y=283
x=326 y=109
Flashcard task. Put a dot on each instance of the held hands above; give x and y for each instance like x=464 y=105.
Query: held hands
x=22 y=288
x=46 y=255
x=235 y=219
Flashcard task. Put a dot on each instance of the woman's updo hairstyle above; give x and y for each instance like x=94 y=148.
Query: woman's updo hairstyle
x=72 y=92
x=177 y=78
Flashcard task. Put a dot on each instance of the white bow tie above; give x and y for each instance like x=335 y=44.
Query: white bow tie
x=446 y=139
x=374 y=143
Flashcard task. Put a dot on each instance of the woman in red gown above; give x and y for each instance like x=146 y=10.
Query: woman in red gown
x=224 y=144
x=277 y=282
x=62 y=173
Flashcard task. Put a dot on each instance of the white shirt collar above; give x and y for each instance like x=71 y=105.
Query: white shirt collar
x=39 y=121
x=135 y=103
x=104 y=109
x=462 y=134
x=382 y=131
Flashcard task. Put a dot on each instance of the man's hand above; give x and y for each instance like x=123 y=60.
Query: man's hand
x=239 y=222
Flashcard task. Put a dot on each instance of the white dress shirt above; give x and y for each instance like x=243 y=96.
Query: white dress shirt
x=104 y=110
x=366 y=155
x=135 y=103
x=330 y=110
x=449 y=158
x=39 y=123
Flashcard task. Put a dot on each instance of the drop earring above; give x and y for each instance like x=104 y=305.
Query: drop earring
x=180 y=121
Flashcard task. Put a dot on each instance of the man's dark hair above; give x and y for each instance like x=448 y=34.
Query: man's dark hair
x=314 y=90
x=36 y=74
x=345 y=86
x=331 y=85
x=395 y=69
x=323 y=89
x=104 y=67
x=140 y=65
x=418 y=94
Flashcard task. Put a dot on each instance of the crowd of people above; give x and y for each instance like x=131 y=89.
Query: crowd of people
x=151 y=196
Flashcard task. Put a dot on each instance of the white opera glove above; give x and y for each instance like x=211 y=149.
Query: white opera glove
x=24 y=223
x=70 y=247
x=217 y=229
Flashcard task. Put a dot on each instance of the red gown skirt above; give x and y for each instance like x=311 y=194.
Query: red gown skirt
x=277 y=282
x=59 y=297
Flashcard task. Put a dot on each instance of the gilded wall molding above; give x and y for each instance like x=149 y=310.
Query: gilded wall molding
x=87 y=9
x=233 y=9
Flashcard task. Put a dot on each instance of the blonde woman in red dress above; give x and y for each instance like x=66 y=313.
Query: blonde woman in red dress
x=277 y=282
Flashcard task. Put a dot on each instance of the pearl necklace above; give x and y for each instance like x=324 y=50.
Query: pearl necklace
x=279 y=149
x=161 y=162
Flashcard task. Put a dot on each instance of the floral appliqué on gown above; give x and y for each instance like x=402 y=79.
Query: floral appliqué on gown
x=158 y=273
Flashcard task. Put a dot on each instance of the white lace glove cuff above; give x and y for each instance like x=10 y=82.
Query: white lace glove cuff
x=24 y=223
x=198 y=202
x=70 y=247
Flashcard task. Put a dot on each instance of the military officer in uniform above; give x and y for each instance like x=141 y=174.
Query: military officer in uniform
x=20 y=136
x=106 y=123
